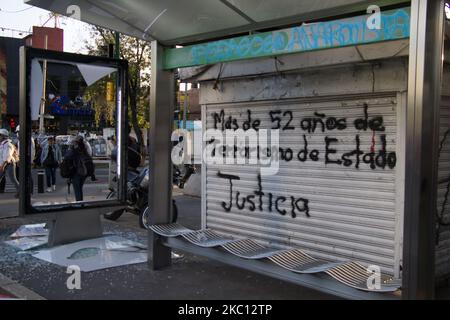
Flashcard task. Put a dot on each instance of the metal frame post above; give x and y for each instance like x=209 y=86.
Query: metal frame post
x=25 y=135
x=161 y=122
x=422 y=136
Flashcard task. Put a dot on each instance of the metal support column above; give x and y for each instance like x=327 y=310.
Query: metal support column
x=161 y=119
x=25 y=135
x=422 y=136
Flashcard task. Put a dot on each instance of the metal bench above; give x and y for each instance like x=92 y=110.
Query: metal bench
x=294 y=261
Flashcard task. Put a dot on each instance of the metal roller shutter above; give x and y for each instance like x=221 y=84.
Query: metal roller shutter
x=443 y=247
x=354 y=213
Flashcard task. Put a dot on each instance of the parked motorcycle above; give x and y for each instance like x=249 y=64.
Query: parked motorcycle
x=137 y=199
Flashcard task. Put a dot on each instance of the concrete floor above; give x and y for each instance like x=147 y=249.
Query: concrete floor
x=191 y=277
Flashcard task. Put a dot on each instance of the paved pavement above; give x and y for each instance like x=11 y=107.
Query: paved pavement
x=101 y=172
x=97 y=190
x=191 y=277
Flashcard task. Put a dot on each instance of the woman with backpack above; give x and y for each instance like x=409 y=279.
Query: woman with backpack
x=83 y=166
x=51 y=158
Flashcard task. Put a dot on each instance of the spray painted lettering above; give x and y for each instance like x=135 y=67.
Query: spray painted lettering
x=336 y=149
x=394 y=24
x=259 y=200
x=318 y=123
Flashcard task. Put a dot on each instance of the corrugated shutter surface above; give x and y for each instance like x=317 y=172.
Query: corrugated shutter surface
x=352 y=211
x=443 y=248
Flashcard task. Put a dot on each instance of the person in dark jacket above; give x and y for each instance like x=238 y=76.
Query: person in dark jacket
x=134 y=155
x=77 y=151
x=51 y=158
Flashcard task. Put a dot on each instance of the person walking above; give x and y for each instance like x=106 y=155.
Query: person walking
x=8 y=159
x=51 y=158
x=33 y=155
x=83 y=165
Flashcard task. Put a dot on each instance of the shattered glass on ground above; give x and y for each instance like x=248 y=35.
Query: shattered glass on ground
x=95 y=254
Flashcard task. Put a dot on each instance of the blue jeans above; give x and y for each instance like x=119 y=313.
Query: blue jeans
x=78 y=182
x=50 y=173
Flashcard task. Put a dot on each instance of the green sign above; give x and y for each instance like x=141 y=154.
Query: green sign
x=389 y=25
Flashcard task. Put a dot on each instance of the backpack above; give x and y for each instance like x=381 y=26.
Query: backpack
x=50 y=159
x=134 y=153
x=67 y=169
x=37 y=156
x=84 y=165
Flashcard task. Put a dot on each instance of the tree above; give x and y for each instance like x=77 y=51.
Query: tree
x=137 y=53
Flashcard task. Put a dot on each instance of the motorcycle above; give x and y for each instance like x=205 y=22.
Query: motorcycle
x=137 y=199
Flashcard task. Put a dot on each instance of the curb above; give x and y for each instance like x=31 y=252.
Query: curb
x=17 y=290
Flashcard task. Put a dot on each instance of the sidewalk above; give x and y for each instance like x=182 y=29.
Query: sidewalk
x=9 y=204
x=189 y=278
x=10 y=289
x=97 y=190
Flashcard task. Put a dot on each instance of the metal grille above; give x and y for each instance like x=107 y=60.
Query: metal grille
x=206 y=238
x=170 y=230
x=298 y=261
x=353 y=212
x=443 y=247
x=355 y=275
x=249 y=249
x=349 y=273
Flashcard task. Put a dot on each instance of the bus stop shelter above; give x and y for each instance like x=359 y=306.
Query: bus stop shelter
x=243 y=40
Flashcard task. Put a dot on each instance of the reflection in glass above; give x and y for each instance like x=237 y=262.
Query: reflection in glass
x=74 y=142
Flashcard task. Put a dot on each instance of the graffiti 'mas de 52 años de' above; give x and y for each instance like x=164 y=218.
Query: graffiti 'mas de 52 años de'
x=318 y=122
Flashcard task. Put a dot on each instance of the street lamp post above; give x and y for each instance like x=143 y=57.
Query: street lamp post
x=44 y=89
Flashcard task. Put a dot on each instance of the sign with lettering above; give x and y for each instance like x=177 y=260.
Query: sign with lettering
x=318 y=175
x=394 y=25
